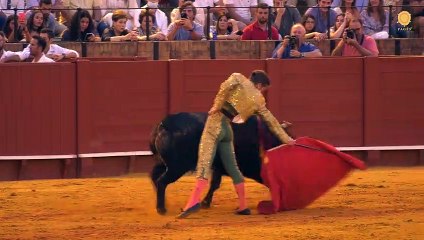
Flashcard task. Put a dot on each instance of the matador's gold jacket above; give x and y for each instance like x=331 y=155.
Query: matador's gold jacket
x=241 y=94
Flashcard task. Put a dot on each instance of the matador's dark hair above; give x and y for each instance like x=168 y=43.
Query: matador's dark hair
x=259 y=76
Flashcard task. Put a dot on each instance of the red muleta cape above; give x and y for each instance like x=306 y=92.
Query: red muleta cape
x=299 y=174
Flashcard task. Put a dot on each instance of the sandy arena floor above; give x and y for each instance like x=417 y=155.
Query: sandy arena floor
x=383 y=203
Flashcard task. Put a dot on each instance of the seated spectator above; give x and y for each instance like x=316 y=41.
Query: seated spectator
x=49 y=20
x=92 y=6
x=6 y=10
x=320 y=12
x=118 y=32
x=417 y=12
x=5 y=56
x=34 y=24
x=308 y=21
x=355 y=43
x=347 y=6
x=201 y=11
x=226 y=29
x=258 y=30
x=186 y=28
x=418 y=27
x=284 y=17
x=108 y=6
x=239 y=10
x=144 y=18
x=353 y=7
x=51 y=50
x=376 y=20
x=294 y=46
x=36 y=48
x=337 y=30
x=9 y=30
x=161 y=18
x=81 y=28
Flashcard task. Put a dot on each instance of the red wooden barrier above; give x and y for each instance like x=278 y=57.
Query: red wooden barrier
x=37 y=106
x=322 y=97
x=394 y=112
x=119 y=103
x=193 y=84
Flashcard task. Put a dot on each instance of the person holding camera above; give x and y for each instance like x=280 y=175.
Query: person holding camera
x=185 y=28
x=294 y=46
x=355 y=42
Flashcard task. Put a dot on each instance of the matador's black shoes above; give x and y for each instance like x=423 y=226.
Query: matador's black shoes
x=245 y=211
x=192 y=209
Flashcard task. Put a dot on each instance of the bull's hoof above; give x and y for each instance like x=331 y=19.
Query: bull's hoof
x=205 y=204
x=161 y=211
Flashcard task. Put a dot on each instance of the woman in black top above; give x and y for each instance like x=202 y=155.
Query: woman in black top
x=81 y=29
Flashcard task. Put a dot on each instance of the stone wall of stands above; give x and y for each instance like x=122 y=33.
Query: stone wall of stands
x=217 y=49
x=93 y=117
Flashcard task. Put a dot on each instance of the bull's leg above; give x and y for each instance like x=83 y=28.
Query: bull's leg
x=172 y=174
x=215 y=184
x=157 y=172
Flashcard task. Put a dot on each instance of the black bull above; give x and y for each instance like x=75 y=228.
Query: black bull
x=175 y=144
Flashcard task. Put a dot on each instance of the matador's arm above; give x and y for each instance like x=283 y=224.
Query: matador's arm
x=273 y=124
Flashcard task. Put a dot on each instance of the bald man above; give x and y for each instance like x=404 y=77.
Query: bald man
x=297 y=47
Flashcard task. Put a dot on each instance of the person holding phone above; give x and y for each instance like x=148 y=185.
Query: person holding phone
x=118 y=32
x=226 y=29
x=284 y=16
x=185 y=28
x=81 y=28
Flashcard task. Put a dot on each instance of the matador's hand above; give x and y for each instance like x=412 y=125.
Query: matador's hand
x=291 y=141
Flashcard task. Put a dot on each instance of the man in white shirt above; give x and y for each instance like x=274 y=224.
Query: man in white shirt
x=36 y=48
x=4 y=55
x=52 y=51
x=161 y=18
x=239 y=10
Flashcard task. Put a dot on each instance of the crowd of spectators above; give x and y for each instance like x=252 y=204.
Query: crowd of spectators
x=159 y=20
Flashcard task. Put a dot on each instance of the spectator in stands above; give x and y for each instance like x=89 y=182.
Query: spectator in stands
x=417 y=12
x=9 y=30
x=337 y=30
x=108 y=6
x=240 y=11
x=118 y=32
x=258 y=30
x=348 y=7
x=144 y=18
x=161 y=18
x=49 y=20
x=92 y=6
x=51 y=50
x=201 y=14
x=6 y=10
x=4 y=55
x=357 y=43
x=34 y=24
x=294 y=46
x=359 y=4
x=226 y=29
x=36 y=48
x=186 y=28
x=284 y=16
x=321 y=12
x=81 y=28
x=308 y=21
x=376 y=20
x=309 y=3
